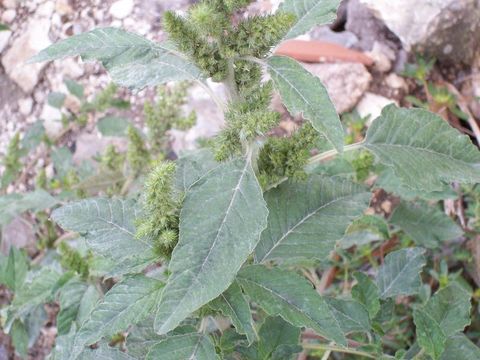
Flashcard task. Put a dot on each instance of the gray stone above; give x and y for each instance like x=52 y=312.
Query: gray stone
x=121 y=9
x=19 y=233
x=24 y=47
x=324 y=33
x=369 y=29
x=445 y=29
x=345 y=82
x=4 y=37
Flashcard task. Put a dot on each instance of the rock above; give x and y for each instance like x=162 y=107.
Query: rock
x=121 y=9
x=25 y=106
x=445 y=29
x=9 y=15
x=28 y=44
x=324 y=33
x=371 y=106
x=369 y=29
x=396 y=82
x=63 y=7
x=18 y=234
x=382 y=57
x=4 y=37
x=345 y=82
x=51 y=117
x=10 y=4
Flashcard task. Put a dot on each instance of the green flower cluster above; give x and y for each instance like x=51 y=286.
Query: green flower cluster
x=72 y=260
x=161 y=208
x=138 y=156
x=286 y=156
x=208 y=36
x=11 y=161
x=165 y=114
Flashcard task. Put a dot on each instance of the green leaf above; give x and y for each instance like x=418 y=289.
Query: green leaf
x=108 y=226
x=366 y=292
x=12 y=205
x=113 y=126
x=351 y=315
x=4 y=27
x=62 y=161
x=292 y=297
x=232 y=303
x=74 y=88
x=423 y=150
x=127 y=303
x=70 y=297
x=309 y=14
x=459 y=347
x=16 y=269
x=278 y=339
x=446 y=313
x=130 y=59
x=19 y=338
x=306 y=219
x=33 y=293
x=56 y=99
x=192 y=167
x=399 y=275
x=104 y=352
x=426 y=225
x=304 y=93
x=388 y=181
x=220 y=224
x=34 y=136
x=189 y=346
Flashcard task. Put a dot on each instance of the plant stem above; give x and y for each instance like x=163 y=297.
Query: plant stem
x=331 y=153
x=337 y=349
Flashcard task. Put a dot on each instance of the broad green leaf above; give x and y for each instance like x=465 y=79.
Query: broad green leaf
x=104 y=352
x=290 y=296
x=278 y=340
x=33 y=293
x=365 y=230
x=192 y=167
x=365 y=291
x=388 y=181
x=423 y=150
x=446 y=313
x=16 y=269
x=220 y=224
x=232 y=303
x=87 y=304
x=304 y=93
x=189 y=346
x=351 y=315
x=399 y=275
x=426 y=225
x=141 y=337
x=4 y=27
x=307 y=218
x=309 y=14
x=127 y=303
x=12 y=205
x=459 y=347
x=108 y=226
x=113 y=126
x=130 y=59
x=70 y=296
x=62 y=159
x=19 y=337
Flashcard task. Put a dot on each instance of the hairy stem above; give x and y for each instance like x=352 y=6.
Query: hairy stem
x=326 y=347
x=331 y=153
